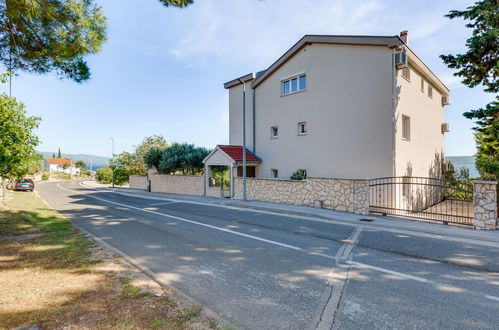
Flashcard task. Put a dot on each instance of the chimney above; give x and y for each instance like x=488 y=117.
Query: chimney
x=404 y=35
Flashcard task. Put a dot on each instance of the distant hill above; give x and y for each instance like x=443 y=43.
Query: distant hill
x=96 y=161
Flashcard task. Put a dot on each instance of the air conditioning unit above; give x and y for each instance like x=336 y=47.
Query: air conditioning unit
x=445 y=127
x=445 y=100
x=401 y=60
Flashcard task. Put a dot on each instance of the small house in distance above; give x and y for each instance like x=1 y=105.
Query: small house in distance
x=61 y=165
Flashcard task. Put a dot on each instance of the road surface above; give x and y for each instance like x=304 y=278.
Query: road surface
x=260 y=270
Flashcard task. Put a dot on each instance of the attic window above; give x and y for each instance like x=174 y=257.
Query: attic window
x=293 y=84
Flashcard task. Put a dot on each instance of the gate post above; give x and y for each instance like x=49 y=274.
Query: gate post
x=485 y=204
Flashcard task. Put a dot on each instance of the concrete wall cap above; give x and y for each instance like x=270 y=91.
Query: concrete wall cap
x=484 y=182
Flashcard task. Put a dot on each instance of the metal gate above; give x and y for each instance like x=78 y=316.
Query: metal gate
x=422 y=198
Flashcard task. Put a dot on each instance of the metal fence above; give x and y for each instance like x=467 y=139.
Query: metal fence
x=423 y=198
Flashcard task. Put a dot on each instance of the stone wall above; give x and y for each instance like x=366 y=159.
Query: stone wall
x=177 y=184
x=336 y=194
x=138 y=182
x=485 y=204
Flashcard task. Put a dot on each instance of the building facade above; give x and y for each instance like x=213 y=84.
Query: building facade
x=60 y=165
x=356 y=107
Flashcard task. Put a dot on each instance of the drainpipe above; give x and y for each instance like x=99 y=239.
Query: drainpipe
x=254 y=120
x=244 y=139
x=394 y=140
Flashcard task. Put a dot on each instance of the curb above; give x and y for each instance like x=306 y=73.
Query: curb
x=144 y=269
x=494 y=241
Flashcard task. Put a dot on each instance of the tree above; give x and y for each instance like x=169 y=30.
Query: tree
x=17 y=141
x=80 y=164
x=134 y=163
x=480 y=65
x=34 y=164
x=176 y=3
x=44 y=36
x=153 y=157
x=184 y=158
x=464 y=173
x=105 y=175
x=59 y=153
x=53 y=155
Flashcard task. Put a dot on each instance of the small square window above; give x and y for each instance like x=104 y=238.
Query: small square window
x=302 y=128
x=422 y=84
x=406 y=127
x=275 y=173
x=274 y=132
x=430 y=92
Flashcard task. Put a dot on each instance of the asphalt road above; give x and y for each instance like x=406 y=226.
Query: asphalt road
x=259 y=270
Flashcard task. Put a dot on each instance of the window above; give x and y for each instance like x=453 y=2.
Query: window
x=406 y=73
x=302 y=128
x=422 y=84
x=406 y=127
x=285 y=87
x=294 y=84
x=274 y=132
x=275 y=173
x=430 y=92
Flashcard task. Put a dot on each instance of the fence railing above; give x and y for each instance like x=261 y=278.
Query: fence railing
x=424 y=198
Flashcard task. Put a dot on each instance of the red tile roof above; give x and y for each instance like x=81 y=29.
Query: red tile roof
x=236 y=153
x=59 y=161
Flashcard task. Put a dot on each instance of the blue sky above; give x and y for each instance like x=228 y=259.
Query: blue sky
x=162 y=69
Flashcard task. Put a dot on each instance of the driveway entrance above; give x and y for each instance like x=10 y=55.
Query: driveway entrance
x=422 y=198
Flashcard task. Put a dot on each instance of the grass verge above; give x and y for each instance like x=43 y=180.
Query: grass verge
x=62 y=279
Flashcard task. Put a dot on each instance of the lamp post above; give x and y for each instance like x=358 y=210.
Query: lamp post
x=112 y=159
x=244 y=139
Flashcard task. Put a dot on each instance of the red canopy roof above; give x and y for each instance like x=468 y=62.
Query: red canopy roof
x=236 y=153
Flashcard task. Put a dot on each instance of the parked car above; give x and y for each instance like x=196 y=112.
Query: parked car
x=24 y=184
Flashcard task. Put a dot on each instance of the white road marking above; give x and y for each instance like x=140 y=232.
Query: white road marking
x=164 y=203
x=343 y=222
x=189 y=221
x=391 y=272
x=349 y=242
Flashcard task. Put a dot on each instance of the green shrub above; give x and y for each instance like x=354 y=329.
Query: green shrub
x=299 y=175
x=45 y=176
x=104 y=174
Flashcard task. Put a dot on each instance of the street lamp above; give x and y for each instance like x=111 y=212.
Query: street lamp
x=112 y=159
x=244 y=139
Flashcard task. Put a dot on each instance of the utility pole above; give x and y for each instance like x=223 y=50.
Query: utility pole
x=112 y=139
x=244 y=139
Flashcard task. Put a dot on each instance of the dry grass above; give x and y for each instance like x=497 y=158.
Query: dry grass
x=62 y=279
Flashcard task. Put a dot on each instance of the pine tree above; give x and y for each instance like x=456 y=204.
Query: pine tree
x=53 y=155
x=480 y=65
x=59 y=153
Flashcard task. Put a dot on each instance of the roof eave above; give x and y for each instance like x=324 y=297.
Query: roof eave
x=389 y=41
x=237 y=81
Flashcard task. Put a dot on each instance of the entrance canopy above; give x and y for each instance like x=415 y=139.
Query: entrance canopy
x=232 y=157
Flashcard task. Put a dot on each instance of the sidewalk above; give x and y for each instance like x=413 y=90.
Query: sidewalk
x=351 y=219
